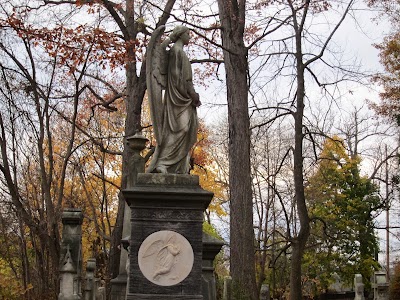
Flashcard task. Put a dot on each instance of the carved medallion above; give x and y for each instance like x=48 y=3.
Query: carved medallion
x=165 y=258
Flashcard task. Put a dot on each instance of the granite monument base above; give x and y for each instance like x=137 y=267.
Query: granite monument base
x=118 y=287
x=166 y=237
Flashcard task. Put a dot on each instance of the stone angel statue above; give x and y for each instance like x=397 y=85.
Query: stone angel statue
x=173 y=101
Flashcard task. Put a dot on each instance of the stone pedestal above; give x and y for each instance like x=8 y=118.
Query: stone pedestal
x=166 y=237
x=71 y=255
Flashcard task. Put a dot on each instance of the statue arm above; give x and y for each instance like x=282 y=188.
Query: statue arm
x=165 y=44
x=193 y=94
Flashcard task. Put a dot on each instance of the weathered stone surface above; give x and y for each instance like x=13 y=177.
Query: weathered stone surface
x=176 y=191
x=170 y=180
x=174 y=203
x=90 y=280
x=71 y=236
x=162 y=297
x=136 y=165
x=211 y=247
x=118 y=287
x=264 y=292
x=380 y=285
x=67 y=278
x=173 y=101
x=71 y=255
x=227 y=294
x=358 y=287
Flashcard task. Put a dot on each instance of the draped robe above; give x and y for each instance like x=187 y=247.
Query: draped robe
x=179 y=118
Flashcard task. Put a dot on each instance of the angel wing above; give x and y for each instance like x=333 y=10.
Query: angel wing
x=171 y=239
x=163 y=258
x=154 y=248
x=156 y=79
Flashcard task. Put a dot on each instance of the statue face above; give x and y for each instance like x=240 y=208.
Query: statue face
x=185 y=37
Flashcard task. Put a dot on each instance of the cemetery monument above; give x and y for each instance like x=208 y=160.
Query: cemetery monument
x=166 y=203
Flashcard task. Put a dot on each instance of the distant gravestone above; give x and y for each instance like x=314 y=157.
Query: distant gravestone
x=90 y=280
x=227 y=294
x=358 y=287
x=380 y=286
x=264 y=292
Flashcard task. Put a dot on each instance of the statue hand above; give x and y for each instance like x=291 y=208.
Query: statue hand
x=196 y=100
x=196 y=103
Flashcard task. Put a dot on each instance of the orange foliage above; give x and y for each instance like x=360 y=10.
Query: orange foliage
x=390 y=58
x=77 y=45
x=204 y=168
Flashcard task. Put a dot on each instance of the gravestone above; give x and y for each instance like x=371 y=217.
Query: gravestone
x=227 y=293
x=166 y=237
x=264 y=292
x=358 y=287
x=380 y=285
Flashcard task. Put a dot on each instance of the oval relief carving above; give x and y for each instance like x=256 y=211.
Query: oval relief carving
x=165 y=257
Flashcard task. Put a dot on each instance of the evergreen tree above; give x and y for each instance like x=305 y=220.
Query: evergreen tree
x=342 y=202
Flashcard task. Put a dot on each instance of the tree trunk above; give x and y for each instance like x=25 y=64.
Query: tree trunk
x=242 y=258
x=132 y=125
x=299 y=241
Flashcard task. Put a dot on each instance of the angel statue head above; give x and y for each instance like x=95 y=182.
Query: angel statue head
x=180 y=32
x=173 y=102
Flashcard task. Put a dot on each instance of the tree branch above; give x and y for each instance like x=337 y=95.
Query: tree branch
x=310 y=61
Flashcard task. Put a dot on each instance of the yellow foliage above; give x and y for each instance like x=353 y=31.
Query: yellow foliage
x=10 y=288
x=209 y=182
x=204 y=168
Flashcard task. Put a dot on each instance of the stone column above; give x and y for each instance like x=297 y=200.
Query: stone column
x=93 y=288
x=71 y=255
x=90 y=280
x=227 y=294
x=211 y=247
x=136 y=165
x=166 y=237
